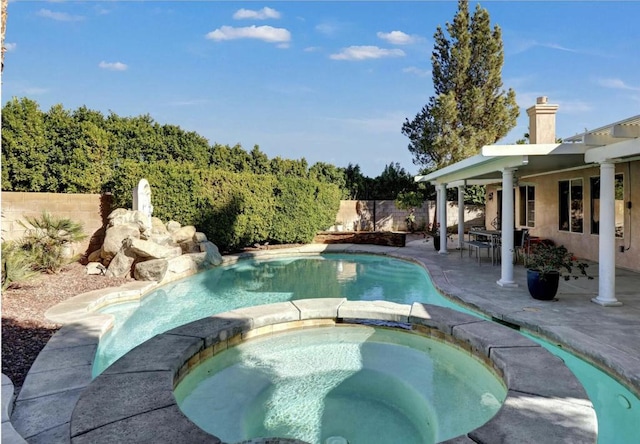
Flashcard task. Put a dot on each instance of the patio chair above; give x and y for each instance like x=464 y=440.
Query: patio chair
x=520 y=245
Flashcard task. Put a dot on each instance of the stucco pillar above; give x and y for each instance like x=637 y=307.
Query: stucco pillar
x=507 y=224
x=442 y=217
x=460 y=216
x=607 y=239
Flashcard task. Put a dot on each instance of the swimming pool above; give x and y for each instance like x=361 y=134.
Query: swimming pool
x=249 y=282
x=355 y=277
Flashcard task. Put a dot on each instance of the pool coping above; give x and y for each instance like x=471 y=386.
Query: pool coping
x=63 y=370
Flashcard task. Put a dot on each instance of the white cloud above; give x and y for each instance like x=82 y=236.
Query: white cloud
x=265 y=33
x=263 y=14
x=616 y=84
x=417 y=71
x=312 y=49
x=397 y=37
x=34 y=90
x=366 y=52
x=113 y=66
x=10 y=46
x=59 y=16
x=326 y=29
x=574 y=107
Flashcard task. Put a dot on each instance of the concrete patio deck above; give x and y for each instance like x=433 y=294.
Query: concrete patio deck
x=606 y=336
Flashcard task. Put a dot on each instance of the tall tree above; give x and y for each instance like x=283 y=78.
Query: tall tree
x=469 y=109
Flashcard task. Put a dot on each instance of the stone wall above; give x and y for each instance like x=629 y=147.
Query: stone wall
x=89 y=209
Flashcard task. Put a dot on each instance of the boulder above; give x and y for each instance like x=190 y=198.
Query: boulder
x=152 y=270
x=150 y=250
x=120 y=265
x=190 y=247
x=183 y=234
x=199 y=237
x=94 y=256
x=117 y=214
x=172 y=226
x=158 y=227
x=115 y=236
x=95 y=268
x=162 y=239
x=213 y=255
x=182 y=264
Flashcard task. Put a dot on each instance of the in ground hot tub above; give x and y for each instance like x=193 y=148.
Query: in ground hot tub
x=361 y=383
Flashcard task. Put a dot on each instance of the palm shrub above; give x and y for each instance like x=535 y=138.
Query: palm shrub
x=46 y=238
x=16 y=265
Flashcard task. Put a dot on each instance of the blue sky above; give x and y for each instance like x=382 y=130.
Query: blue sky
x=327 y=81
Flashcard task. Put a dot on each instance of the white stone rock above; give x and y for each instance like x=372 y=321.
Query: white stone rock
x=199 y=237
x=157 y=226
x=115 y=236
x=120 y=265
x=150 y=250
x=183 y=234
x=95 y=268
x=152 y=270
x=172 y=226
x=182 y=264
x=190 y=247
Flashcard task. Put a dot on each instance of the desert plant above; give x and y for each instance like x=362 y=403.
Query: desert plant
x=16 y=265
x=46 y=238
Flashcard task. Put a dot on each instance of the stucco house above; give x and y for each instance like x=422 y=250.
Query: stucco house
x=583 y=193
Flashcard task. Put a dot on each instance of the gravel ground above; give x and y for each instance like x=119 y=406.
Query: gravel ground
x=25 y=330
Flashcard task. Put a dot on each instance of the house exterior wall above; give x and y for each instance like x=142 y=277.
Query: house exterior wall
x=584 y=245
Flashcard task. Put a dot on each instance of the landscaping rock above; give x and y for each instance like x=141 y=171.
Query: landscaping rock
x=199 y=237
x=115 y=236
x=157 y=226
x=182 y=264
x=150 y=250
x=94 y=256
x=183 y=234
x=95 y=268
x=120 y=265
x=153 y=270
x=172 y=226
x=213 y=255
x=190 y=247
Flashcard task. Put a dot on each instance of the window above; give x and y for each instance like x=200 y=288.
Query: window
x=619 y=205
x=571 y=210
x=528 y=206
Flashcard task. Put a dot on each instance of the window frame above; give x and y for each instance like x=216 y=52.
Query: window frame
x=568 y=212
x=525 y=203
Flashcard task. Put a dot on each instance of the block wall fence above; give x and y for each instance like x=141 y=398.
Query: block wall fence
x=92 y=210
x=89 y=209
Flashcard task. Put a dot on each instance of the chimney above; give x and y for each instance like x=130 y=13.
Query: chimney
x=542 y=121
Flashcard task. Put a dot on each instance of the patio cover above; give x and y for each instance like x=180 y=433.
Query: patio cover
x=607 y=145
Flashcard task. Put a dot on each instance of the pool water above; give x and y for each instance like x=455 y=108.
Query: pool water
x=247 y=283
x=355 y=277
x=348 y=381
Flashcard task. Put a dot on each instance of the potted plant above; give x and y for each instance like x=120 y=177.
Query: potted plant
x=546 y=264
x=434 y=232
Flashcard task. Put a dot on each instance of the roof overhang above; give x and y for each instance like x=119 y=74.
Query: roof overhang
x=617 y=142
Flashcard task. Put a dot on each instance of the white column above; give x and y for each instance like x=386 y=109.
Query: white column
x=507 y=224
x=460 y=216
x=442 y=217
x=607 y=239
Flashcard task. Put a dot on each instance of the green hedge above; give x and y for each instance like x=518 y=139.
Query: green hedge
x=234 y=210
